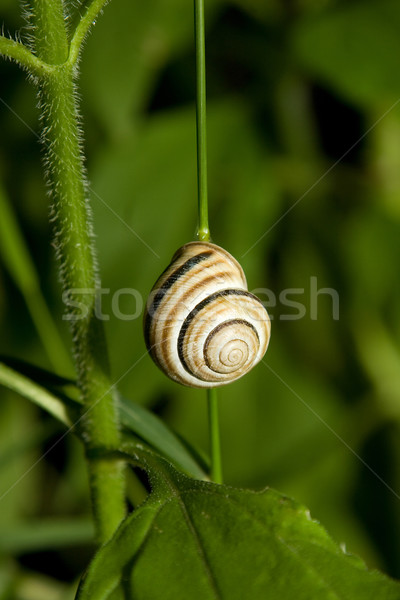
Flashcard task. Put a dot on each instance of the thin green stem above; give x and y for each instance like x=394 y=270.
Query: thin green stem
x=201 y=121
x=83 y=27
x=215 y=441
x=203 y=231
x=73 y=239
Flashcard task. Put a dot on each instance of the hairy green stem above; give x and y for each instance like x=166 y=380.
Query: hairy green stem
x=75 y=250
x=85 y=23
x=24 y=57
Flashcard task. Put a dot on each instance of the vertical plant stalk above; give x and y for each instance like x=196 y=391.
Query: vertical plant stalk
x=73 y=239
x=201 y=121
x=215 y=440
x=203 y=227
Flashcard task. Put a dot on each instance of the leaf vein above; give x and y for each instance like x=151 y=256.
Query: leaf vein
x=176 y=494
x=200 y=549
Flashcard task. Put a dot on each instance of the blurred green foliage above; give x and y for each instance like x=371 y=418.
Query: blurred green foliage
x=304 y=163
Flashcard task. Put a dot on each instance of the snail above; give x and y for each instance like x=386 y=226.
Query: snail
x=201 y=325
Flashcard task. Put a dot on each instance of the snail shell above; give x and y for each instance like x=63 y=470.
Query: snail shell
x=201 y=325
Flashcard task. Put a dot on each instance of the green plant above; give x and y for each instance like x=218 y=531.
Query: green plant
x=190 y=538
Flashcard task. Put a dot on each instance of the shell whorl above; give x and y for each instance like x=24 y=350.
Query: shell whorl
x=201 y=325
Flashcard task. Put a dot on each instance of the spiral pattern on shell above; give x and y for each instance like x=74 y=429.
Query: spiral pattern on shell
x=201 y=325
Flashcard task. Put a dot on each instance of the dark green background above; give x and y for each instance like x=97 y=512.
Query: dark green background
x=302 y=120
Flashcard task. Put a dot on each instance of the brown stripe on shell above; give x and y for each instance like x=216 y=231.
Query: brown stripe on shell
x=167 y=284
x=179 y=275
x=193 y=274
x=213 y=263
x=218 y=250
x=198 y=308
x=163 y=345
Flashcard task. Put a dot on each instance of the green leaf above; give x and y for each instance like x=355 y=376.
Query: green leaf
x=17 y=382
x=47 y=379
x=199 y=540
x=17 y=538
x=355 y=48
x=17 y=258
x=55 y=394
x=152 y=430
